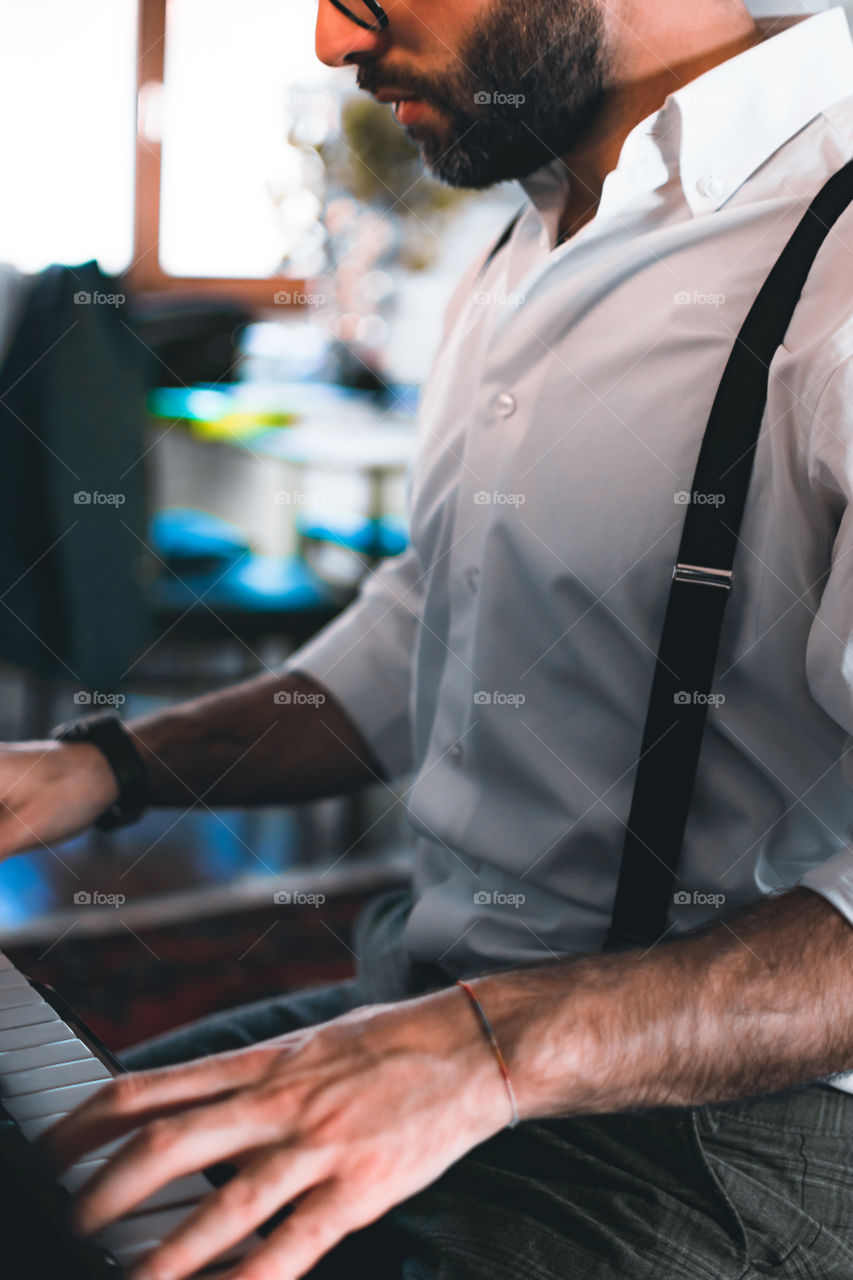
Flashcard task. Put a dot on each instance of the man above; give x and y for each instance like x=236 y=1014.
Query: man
x=678 y=1116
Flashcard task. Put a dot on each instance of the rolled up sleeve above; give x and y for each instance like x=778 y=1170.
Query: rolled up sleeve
x=829 y=657
x=364 y=659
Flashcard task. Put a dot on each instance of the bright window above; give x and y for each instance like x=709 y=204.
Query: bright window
x=238 y=75
x=68 y=104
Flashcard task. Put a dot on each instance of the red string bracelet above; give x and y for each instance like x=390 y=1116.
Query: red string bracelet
x=492 y=1039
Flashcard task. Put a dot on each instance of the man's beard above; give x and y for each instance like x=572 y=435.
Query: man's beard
x=542 y=68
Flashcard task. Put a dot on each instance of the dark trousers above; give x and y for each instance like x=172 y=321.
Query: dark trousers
x=757 y=1188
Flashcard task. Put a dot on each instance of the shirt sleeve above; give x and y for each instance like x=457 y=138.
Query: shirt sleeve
x=364 y=659
x=829 y=654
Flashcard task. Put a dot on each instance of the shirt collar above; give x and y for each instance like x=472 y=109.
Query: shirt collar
x=720 y=127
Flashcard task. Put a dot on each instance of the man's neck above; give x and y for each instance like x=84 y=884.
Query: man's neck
x=664 y=63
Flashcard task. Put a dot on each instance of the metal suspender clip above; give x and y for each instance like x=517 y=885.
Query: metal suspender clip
x=706 y=577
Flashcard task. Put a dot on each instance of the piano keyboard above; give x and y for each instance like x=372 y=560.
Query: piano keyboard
x=47 y=1069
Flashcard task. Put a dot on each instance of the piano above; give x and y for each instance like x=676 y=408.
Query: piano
x=50 y=1062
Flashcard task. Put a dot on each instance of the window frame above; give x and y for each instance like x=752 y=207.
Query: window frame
x=145 y=272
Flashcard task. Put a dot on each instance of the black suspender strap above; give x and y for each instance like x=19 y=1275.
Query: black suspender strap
x=701 y=586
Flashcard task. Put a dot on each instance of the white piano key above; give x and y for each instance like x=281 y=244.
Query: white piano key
x=182 y=1191
x=33 y=1129
x=36 y=1128
x=12 y=978
x=26 y=1015
x=187 y=1191
x=46 y=1071
x=41 y=1055
x=133 y=1235
x=79 y=1174
x=14 y=997
x=110 y=1148
x=30 y=1106
x=58 y=1075
x=40 y=1033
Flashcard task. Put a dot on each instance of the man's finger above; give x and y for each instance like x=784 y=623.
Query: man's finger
x=137 y=1098
x=160 y=1151
x=225 y=1217
x=320 y=1221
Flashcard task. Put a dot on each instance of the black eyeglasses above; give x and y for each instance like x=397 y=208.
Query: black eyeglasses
x=365 y=13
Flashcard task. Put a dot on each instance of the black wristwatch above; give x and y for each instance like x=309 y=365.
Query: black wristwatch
x=108 y=734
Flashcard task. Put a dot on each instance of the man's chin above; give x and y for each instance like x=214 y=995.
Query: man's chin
x=456 y=151
x=439 y=137
x=444 y=158
x=456 y=169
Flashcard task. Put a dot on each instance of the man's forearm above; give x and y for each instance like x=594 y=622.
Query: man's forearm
x=274 y=739
x=748 y=1007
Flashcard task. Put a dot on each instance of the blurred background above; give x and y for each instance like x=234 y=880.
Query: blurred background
x=222 y=279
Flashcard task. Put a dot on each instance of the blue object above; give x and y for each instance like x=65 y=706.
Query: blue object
x=386 y=536
x=254 y=584
x=206 y=401
x=26 y=890
x=404 y=397
x=189 y=540
x=198 y=403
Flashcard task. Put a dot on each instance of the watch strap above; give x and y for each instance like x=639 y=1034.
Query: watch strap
x=107 y=732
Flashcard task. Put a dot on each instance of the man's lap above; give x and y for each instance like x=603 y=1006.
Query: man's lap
x=245 y=1025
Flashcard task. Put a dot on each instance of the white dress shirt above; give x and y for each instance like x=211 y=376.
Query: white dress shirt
x=506 y=660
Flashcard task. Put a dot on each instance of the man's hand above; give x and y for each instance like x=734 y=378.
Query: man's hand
x=50 y=791
x=343 y=1121
x=340 y=1121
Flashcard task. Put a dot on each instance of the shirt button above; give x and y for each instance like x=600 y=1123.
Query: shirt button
x=455 y=754
x=710 y=186
x=473 y=577
x=505 y=404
